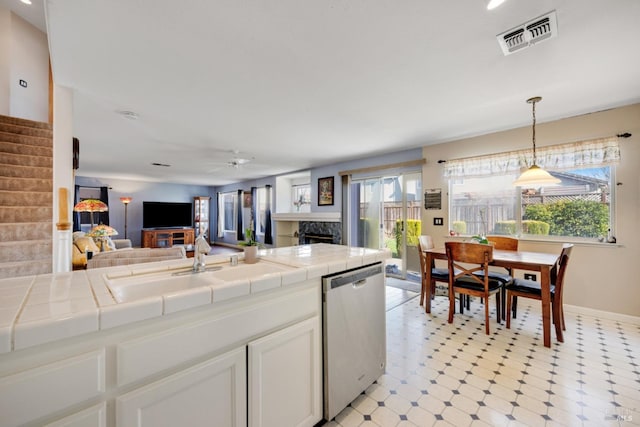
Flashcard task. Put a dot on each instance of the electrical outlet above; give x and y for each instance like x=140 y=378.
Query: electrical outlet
x=23 y=83
x=438 y=221
x=529 y=276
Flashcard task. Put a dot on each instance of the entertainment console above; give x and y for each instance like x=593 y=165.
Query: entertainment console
x=167 y=237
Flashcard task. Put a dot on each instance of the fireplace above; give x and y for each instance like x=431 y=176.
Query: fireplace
x=319 y=232
x=317 y=238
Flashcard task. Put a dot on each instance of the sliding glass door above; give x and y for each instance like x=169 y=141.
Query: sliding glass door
x=385 y=213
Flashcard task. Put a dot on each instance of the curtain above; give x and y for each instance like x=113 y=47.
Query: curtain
x=220 y=215
x=591 y=153
x=255 y=215
x=268 y=237
x=76 y=215
x=103 y=217
x=240 y=225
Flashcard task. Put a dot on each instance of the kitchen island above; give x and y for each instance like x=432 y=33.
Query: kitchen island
x=155 y=345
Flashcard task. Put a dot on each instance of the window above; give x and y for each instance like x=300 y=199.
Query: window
x=578 y=207
x=261 y=205
x=301 y=196
x=227 y=205
x=581 y=206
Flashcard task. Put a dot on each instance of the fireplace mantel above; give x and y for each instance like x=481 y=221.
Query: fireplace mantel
x=308 y=216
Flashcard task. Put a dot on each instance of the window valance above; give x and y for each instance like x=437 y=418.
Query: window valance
x=591 y=153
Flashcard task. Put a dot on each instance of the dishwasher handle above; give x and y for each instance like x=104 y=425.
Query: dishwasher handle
x=360 y=283
x=357 y=277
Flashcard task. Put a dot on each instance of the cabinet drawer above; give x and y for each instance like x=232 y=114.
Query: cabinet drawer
x=35 y=393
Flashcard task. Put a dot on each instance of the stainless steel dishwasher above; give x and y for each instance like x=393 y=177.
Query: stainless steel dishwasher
x=354 y=334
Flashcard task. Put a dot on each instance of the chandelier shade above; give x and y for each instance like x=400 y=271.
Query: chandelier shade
x=535 y=176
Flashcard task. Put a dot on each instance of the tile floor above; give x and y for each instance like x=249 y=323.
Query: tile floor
x=441 y=374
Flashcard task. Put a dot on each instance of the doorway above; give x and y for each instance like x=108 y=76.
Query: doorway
x=385 y=213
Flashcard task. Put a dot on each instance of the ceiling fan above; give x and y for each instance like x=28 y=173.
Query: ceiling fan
x=236 y=162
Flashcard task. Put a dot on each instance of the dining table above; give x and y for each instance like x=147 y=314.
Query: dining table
x=516 y=260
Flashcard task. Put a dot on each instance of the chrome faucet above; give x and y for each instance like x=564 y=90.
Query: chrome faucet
x=201 y=249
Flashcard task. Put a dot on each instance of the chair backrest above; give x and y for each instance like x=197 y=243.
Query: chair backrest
x=562 y=267
x=424 y=243
x=459 y=253
x=504 y=242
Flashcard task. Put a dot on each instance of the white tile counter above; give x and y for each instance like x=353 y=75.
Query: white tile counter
x=40 y=309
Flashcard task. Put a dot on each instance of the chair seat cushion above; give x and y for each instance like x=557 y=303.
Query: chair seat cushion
x=440 y=274
x=469 y=283
x=527 y=287
x=494 y=275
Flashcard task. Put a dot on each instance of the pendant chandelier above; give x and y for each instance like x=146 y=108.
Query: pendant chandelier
x=535 y=176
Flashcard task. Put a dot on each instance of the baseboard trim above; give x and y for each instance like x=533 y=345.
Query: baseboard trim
x=600 y=314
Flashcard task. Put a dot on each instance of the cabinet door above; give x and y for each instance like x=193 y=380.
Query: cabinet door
x=96 y=416
x=212 y=393
x=285 y=386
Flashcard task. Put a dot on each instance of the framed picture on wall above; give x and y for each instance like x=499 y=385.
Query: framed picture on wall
x=246 y=200
x=325 y=191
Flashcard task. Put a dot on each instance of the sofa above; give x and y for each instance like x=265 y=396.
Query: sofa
x=117 y=252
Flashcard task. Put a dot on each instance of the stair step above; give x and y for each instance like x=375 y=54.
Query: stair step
x=26 y=160
x=26 y=199
x=24 y=122
x=26 y=139
x=25 y=184
x=25 y=149
x=25 y=231
x=25 y=250
x=25 y=268
x=17 y=171
x=18 y=214
x=26 y=130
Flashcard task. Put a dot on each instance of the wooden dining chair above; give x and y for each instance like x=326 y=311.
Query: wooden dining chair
x=465 y=261
x=437 y=274
x=505 y=243
x=532 y=289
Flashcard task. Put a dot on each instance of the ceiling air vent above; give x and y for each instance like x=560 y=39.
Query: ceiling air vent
x=542 y=28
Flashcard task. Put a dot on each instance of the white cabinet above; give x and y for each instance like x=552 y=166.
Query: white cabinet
x=212 y=393
x=285 y=385
x=40 y=391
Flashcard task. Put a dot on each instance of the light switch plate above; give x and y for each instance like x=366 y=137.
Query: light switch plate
x=438 y=221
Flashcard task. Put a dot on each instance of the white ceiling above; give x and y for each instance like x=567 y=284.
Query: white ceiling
x=296 y=84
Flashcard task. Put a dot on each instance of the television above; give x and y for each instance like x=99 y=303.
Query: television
x=166 y=215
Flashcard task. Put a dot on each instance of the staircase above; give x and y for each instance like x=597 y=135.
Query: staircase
x=26 y=194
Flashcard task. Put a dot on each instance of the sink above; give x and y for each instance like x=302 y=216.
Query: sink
x=158 y=283
x=131 y=288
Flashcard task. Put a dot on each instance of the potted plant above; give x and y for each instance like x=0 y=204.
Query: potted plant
x=251 y=246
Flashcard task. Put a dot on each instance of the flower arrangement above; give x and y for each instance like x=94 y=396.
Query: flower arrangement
x=480 y=239
x=249 y=239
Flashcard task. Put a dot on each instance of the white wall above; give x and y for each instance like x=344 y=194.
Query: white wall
x=24 y=55
x=5 y=60
x=29 y=62
x=599 y=276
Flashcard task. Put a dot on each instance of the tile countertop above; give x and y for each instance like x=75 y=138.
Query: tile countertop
x=39 y=309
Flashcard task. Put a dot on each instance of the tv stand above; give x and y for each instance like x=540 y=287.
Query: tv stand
x=167 y=237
